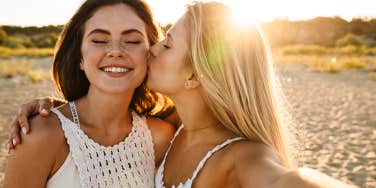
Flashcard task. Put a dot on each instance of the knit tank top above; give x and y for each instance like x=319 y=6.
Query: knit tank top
x=129 y=163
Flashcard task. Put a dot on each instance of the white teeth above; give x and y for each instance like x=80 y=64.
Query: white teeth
x=115 y=69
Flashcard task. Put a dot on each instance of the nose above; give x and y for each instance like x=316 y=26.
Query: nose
x=154 y=50
x=115 y=50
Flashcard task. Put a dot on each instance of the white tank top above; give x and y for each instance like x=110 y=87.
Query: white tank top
x=188 y=184
x=129 y=163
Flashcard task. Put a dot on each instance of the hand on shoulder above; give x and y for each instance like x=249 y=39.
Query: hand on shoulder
x=33 y=160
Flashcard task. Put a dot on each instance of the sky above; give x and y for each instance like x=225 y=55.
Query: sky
x=56 y=12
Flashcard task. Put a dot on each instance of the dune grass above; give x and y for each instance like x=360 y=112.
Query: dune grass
x=347 y=50
x=6 y=53
x=331 y=60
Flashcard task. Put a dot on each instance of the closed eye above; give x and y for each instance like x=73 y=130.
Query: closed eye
x=99 y=41
x=133 y=42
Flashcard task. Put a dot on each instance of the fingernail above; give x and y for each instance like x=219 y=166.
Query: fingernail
x=44 y=111
x=14 y=141
x=24 y=130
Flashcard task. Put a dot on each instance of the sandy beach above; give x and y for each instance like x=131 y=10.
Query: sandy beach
x=335 y=115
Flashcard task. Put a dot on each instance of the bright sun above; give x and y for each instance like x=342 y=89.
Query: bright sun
x=248 y=13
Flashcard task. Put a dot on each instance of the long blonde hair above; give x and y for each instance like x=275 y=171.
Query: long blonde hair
x=235 y=69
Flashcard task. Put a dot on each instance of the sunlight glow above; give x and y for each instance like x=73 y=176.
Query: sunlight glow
x=44 y=12
x=241 y=16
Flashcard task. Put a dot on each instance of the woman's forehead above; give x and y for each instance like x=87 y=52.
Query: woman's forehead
x=115 y=18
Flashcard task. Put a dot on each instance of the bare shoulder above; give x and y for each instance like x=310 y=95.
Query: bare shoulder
x=247 y=149
x=160 y=129
x=255 y=164
x=162 y=132
x=44 y=130
x=37 y=154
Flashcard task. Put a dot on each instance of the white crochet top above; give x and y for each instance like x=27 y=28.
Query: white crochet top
x=129 y=163
x=188 y=183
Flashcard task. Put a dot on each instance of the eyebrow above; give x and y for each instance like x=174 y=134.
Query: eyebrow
x=126 y=32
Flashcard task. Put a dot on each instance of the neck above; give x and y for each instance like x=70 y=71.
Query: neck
x=101 y=109
x=193 y=112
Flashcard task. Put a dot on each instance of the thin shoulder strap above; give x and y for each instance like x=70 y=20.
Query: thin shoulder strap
x=59 y=115
x=171 y=142
x=74 y=113
x=210 y=153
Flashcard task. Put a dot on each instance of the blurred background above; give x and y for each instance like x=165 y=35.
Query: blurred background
x=324 y=52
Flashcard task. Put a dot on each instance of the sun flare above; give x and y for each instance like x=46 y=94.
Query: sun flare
x=243 y=15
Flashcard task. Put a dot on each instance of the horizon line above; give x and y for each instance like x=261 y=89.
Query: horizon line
x=365 y=18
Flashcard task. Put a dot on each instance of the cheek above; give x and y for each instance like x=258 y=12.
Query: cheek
x=90 y=54
x=139 y=58
x=139 y=55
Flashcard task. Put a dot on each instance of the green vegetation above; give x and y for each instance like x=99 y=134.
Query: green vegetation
x=14 y=37
x=323 y=44
x=322 y=31
x=3 y=36
x=25 y=52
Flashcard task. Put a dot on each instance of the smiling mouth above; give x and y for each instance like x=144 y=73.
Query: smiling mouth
x=115 y=69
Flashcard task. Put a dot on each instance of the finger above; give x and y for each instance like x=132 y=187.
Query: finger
x=15 y=137
x=23 y=124
x=14 y=128
x=9 y=145
x=29 y=108
x=44 y=106
x=15 y=140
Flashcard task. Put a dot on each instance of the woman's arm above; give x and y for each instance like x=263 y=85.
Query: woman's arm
x=258 y=166
x=31 y=164
x=21 y=123
x=309 y=178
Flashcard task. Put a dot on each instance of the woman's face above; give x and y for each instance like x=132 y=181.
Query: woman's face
x=168 y=69
x=114 y=49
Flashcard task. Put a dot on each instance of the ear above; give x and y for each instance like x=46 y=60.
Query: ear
x=82 y=65
x=191 y=82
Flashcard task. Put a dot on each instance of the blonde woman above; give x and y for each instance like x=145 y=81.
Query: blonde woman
x=221 y=81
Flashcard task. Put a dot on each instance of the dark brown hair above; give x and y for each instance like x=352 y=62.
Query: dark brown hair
x=73 y=83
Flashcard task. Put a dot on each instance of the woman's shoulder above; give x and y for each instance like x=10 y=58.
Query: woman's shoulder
x=39 y=153
x=45 y=130
x=254 y=164
x=160 y=128
x=162 y=132
x=251 y=152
